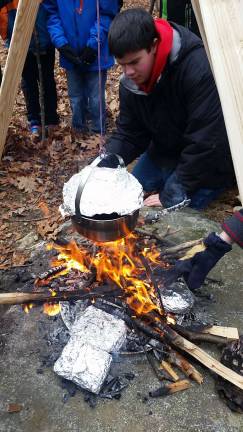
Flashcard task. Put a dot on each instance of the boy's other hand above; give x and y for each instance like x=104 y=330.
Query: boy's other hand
x=152 y=201
x=69 y=53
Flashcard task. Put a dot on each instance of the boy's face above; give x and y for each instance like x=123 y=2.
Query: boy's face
x=138 y=65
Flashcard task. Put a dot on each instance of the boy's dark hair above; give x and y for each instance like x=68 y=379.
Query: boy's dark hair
x=131 y=31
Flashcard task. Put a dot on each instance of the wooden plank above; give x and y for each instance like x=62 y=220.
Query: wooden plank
x=23 y=28
x=222 y=22
x=208 y=361
x=227 y=332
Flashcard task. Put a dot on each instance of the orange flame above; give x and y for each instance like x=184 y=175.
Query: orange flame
x=118 y=261
x=51 y=309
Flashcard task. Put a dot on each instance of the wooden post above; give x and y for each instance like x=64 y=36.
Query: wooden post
x=222 y=23
x=24 y=24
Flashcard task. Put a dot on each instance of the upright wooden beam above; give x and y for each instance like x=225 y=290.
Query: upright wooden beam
x=23 y=28
x=221 y=22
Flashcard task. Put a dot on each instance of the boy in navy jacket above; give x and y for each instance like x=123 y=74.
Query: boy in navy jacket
x=30 y=74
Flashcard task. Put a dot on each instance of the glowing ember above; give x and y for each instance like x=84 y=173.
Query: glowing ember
x=51 y=309
x=118 y=261
x=27 y=307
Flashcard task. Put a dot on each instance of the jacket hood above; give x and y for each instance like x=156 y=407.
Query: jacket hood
x=188 y=42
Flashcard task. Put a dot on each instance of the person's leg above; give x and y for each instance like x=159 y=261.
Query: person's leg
x=176 y=11
x=95 y=90
x=30 y=89
x=77 y=96
x=150 y=176
x=203 y=197
x=49 y=87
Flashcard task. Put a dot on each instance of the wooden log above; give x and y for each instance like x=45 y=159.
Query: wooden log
x=195 y=336
x=190 y=371
x=181 y=247
x=42 y=297
x=226 y=332
x=168 y=368
x=203 y=357
x=168 y=389
x=222 y=21
x=23 y=27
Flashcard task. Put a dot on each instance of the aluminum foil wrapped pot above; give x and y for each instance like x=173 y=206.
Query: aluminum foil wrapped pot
x=107 y=202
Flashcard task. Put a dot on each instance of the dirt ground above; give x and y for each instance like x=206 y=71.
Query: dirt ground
x=32 y=174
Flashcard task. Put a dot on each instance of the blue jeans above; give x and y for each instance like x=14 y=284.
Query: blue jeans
x=153 y=178
x=83 y=91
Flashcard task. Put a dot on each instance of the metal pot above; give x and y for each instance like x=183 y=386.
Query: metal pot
x=105 y=227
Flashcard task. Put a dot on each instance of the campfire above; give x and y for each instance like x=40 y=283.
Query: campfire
x=122 y=280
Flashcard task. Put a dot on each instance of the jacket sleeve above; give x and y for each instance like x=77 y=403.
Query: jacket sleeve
x=233 y=226
x=54 y=24
x=205 y=144
x=129 y=140
x=108 y=10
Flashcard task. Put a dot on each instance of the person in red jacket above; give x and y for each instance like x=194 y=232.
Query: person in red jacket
x=195 y=269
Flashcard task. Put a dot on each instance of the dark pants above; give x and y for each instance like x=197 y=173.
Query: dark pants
x=30 y=87
x=181 y=12
x=153 y=178
x=0 y=75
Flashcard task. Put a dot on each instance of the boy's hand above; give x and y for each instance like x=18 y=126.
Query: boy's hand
x=88 y=55
x=68 y=52
x=195 y=269
x=152 y=201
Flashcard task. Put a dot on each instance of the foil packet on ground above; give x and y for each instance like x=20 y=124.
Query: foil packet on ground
x=106 y=191
x=86 y=358
x=177 y=298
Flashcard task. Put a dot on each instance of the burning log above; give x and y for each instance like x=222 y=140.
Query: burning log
x=169 y=389
x=54 y=271
x=52 y=296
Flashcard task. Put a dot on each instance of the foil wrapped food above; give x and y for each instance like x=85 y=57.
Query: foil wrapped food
x=86 y=358
x=177 y=298
x=106 y=191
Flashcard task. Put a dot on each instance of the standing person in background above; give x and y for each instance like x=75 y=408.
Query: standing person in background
x=30 y=74
x=75 y=29
x=2 y=4
x=180 y=12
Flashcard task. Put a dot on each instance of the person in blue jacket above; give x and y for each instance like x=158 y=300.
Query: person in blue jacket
x=30 y=76
x=75 y=32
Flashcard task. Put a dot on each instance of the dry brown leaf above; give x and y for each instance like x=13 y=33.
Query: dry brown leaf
x=44 y=208
x=27 y=184
x=114 y=105
x=14 y=407
x=19 y=258
x=48 y=229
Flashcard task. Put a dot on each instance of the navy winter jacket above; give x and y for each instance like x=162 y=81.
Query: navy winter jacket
x=180 y=123
x=74 y=22
x=40 y=25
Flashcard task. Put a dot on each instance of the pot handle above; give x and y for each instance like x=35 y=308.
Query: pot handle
x=84 y=181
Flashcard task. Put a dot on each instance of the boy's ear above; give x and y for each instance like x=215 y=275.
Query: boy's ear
x=154 y=45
